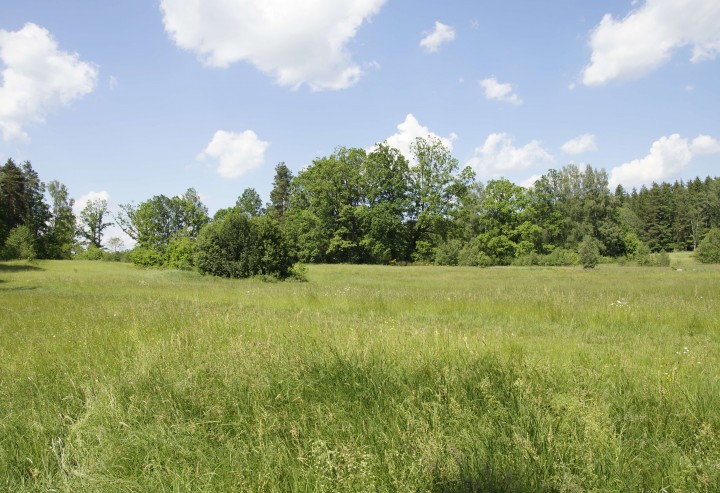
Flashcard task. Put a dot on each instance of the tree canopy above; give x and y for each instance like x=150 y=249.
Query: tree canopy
x=374 y=206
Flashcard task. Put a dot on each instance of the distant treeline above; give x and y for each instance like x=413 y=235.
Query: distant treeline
x=356 y=206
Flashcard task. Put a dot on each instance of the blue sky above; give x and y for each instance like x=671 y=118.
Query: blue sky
x=126 y=100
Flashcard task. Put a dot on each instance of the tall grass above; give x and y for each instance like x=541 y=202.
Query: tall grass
x=365 y=378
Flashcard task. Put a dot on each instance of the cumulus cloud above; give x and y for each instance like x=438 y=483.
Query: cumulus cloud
x=704 y=144
x=409 y=130
x=236 y=153
x=580 y=145
x=646 y=38
x=498 y=156
x=439 y=36
x=501 y=92
x=38 y=78
x=530 y=182
x=90 y=197
x=667 y=157
x=295 y=41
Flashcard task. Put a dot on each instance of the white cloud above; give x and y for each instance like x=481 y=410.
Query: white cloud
x=441 y=35
x=112 y=82
x=704 y=144
x=236 y=153
x=295 y=41
x=90 y=197
x=498 y=156
x=580 y=145
x=668 y=156
x=645 y=39
x=37 y=79
x=501 y=92
x=530 y=182
x=409 y=130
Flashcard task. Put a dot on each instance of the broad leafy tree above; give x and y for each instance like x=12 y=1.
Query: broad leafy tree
x=92 y=222
x=250 y=203
x=62 y=226
x=157 y=221
x=322 y=219
x=435 y=189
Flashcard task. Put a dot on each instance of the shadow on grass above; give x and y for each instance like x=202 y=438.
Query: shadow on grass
x=17 y=288
x=18 y=267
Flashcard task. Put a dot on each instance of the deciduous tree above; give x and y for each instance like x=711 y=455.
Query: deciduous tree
x=93 y=222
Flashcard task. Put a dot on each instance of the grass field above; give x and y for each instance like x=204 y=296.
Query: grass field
x=365 y=378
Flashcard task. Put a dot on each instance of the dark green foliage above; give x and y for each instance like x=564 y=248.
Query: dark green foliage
x=280 y=194
x=557 y=258
x=13 y=203
x=240 y=246
x=708 y=251
x=22 y=202
x=356 y=206
x=589 y=252
x=449 y=252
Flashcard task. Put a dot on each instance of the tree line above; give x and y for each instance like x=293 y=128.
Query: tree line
x=359 y=206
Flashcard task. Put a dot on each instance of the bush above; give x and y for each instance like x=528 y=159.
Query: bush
x=145 y=257
x=708 y=251
x=560 y=256
x=642 y=255
x=473 y=255
x=662 y=259
x=20 y=244
x=180 y=253
x=589 y=252
x=448 y=253
x=528 y=259
x=240 y=246
x=424 y=253
x=644 y=258
x=91 y=253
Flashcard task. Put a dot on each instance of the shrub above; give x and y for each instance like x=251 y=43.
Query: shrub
x=642 y=255
x=145 y=257
x=560 y=256
x=708 y=251
x=662 y=259
x=20 y=244
x=644 y=258
x=473 y=255
x=531 y=258
x=424 y=252
x=589 y=252
x=180 y=253
x=90 y=253
x=448 y=252
x=241 y=246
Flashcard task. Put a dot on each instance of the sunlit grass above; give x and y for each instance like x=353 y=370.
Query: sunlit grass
x=365 y=378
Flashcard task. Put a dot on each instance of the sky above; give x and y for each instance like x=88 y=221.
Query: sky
x=127 y=100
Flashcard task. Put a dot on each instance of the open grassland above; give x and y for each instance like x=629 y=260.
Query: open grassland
x=365 y=378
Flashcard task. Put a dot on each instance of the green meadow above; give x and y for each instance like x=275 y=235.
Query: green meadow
x=364 y=378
